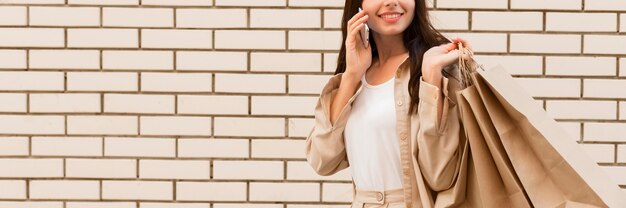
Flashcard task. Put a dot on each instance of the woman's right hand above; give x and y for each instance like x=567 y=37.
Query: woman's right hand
x=358 y=56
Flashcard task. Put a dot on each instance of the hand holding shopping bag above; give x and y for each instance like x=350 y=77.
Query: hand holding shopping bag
x=514 y=154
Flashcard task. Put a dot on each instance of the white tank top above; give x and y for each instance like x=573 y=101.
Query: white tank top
x=371 y=141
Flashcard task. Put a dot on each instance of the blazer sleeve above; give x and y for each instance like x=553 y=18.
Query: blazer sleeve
x=325 y=147
x=439 y=156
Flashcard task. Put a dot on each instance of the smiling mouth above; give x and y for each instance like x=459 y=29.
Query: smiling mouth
x=391 y=16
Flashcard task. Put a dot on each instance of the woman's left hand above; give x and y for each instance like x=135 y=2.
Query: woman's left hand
x=438 y=57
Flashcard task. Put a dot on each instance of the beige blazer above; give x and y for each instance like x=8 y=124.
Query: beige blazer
x=429 y=148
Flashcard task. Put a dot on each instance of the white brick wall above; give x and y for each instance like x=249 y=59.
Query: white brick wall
x=177 y=104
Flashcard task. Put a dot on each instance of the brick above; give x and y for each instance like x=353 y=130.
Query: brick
x=13 y=102
x=473 y=4
x=32 y=124
x=32 y=37
x=173 y=205
x=220 y=60
x=101 y=204
x=137 y=17
x=64 y=59
x=622 y=67
x=31 y=80
x=100 y=2
x=64 y=102
x=314 y=206
x=14 y=146
x=175 y=125
x=139 y=147
x=513 y=64
x=176 y=82
x=137 y=190
x=551 y=87
x=13 y=15
x=213 y=148
x=33 y=1
x=66 y=146
x=337 y=192
x=449 y=20
x=283 y=105
x=616 y=173
x=266 y=148
x=602 y=153
x=301 y=170
x=177 y=3
x=300 y=127
x=501 y=21
x=319 y=3
x=31 y=204
x=263 y=3
x=101 y=81
x=31 y=167
x=621 y=153
x=604 y=88
x=309 y=84
x=285 y=62
x=315 y=40
x=332 y=18
x=138 y=103
x=210 y=191
x=102 y=38
x=622 y=110
x=211 y=18
x=13 y=59
x=570 y=109
x=213 y=104
x=174 y=169
x=581 y=22
x=102 y=124
x=248 y=39
x=101 y=168
x=577 y=65
x=622 y=23
x=605 y=44
x=605 y=132
x=64 y=16
x=255 y=83
x=284 y=192
x=572 y=129
x=248 y=126
x=138 y=60
x=285 y=18
x=248 y=205
x=12 y=189
x=248 y=169
x=483 y=42
x=330 y=62
x=605 y=5
x=547 y=5
x=179 y=38
x=535 y=43
x=72 y=189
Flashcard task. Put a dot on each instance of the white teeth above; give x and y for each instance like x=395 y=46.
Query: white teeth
x=390 y=16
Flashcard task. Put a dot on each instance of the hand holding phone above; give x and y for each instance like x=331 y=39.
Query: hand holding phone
x=365 y=33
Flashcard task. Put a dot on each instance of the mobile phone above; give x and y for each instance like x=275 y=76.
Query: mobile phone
x=365 y=33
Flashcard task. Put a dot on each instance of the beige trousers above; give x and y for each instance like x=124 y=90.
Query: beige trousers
x=378 y=199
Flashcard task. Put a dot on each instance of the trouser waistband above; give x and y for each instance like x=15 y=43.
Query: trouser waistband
x=379 y=197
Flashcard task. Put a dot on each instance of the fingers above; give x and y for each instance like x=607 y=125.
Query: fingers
x=354 y=18
x=466 y=44
x=358 y=22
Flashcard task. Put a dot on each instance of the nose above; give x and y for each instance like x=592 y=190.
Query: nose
x=391 y=3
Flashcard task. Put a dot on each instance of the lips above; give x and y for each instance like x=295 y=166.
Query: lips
x=391 y=17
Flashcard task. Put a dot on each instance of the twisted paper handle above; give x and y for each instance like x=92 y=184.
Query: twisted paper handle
x=467 y=66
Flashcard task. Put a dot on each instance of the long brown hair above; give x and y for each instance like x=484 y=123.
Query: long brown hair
x=418 y=38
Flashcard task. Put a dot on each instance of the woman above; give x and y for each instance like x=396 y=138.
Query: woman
x=389 y=113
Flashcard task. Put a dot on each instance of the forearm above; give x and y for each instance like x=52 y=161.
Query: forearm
x=347 y=88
